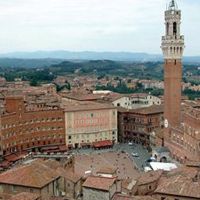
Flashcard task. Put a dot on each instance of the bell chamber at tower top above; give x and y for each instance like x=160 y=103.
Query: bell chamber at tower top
x=172 y=42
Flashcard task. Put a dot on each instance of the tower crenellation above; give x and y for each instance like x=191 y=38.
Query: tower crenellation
x=172 y=42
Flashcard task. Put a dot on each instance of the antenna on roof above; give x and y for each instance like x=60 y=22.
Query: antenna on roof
x=173 y=5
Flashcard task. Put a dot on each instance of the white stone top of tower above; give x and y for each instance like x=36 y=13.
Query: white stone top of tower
x=172 y=42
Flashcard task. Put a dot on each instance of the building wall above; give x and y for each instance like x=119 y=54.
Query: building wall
x=69 y=189
x=52 y=189
x=86 y=127
x=78 y=188
x=184 y=141
x=137 y=127
x=72 y=190
x=172 y=93
x=11 y=189
x=146 y=188
x=23 y=130
x=91 y=194
x=113 y=190
x=159 y=156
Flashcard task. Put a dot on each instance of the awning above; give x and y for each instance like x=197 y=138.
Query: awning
x=5 y=164
x=105 y=143
x=63 y=148
x=49 y=148
x=14 y=157
x=85 y=144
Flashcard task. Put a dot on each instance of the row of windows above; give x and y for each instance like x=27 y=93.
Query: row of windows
x=33 y=121
x=91 y=115
x=77 y=136
x=91 y=121
x=12 y=149
x=142 y=120
x=35 y=141
x=132 y=127
x=96 y=140
x=191 y=147
x=191 y=131
x=31 y=130
x=88 y=129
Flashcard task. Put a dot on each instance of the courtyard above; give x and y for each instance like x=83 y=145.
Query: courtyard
x=120 y=153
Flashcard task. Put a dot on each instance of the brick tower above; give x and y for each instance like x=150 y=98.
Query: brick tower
x=172 y=47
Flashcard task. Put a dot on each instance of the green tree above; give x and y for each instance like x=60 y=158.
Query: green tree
x=33 y=82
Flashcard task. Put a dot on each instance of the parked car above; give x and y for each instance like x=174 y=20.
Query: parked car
x=130 y=143
x=135 y=154
x=152 y=159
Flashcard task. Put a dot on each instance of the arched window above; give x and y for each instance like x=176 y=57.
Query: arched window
x=181 y=49
x=167 y=28
x=174 y=28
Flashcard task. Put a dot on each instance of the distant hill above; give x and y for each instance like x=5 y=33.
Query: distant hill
x=32 y=63
x=90 y=55
x=84 y=55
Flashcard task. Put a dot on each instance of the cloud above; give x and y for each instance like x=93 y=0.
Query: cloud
x=116 y=25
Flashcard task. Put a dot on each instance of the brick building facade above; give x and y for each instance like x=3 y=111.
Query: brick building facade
x=184 y=140
x=23 y=130
x=182 y=129
x=172 y=47
x=137 y=125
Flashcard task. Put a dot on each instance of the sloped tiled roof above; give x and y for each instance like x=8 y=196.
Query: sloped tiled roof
x=25 y=196
x=35 y=174
x=125 y=197
x=100 y=183
x=179 y=185
x=149 y=177
x=69 y=174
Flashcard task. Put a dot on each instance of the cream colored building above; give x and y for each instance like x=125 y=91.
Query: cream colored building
x=89 y=122
x=135 y=101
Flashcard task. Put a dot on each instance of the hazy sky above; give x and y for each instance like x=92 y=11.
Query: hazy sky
x=93 y=25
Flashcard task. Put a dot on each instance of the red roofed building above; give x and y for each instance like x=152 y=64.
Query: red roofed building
x=22 y=130
x=100 y=188
x=34 y=177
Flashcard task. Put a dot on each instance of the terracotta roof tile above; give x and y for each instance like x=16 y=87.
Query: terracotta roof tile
x=125 y=197
x=100 y=183
x=149 y=110
x=149 y=177
x=25 y=196
x=35 y=174
x=107 y=170
x=85 y=106
x=69 y=174
x=179 y=185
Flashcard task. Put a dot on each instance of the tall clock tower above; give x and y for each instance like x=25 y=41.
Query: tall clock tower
x=172 y=47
